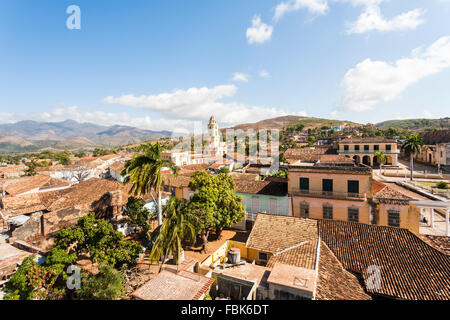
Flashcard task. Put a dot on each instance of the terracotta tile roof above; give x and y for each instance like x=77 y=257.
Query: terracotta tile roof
x=117 y=166
x=39 y=181
x=10 y=257
x=377 y=186
x=168 y=285
x=305 y=154
x=84 y=193
x=368 y=140
x=244 y=176
x=442 y=243
x=303 y=256
x=196 y=167
x=273 y=188
x=409 y=268
x=181 y=181
x=334 y=282
x=388 y=194
x=109 y=157
x=22 y=204
x=274 y=233
x=335 y=158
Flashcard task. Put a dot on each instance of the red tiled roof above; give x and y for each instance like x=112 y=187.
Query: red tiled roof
x=273 y=188
x=39 y=181
x=274 y=233
x=409 y=268
x=334 y=282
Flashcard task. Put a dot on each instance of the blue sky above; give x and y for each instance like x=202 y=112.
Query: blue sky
x=165 y=64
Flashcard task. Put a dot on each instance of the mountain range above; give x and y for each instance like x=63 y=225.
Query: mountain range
x=30 y=136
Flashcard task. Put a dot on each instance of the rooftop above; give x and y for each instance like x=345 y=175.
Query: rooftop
x=303 y=255
x=334 y=282
x=40 y=182
x=368 y=140
x=274 y=233
x=409 y=267
x=294 y=277
x=273 y=188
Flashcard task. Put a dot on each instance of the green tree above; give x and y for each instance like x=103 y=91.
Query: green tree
x=139 y=216
x=31 y=281
x=177 y=226
x=144 y=171
x=106 y=285
x=279 y=174
x=224 y=170
x=31 y=171
x=215 y=204
x=381 y=157
x=63 y=158
x=411 y=146
x=98 y=238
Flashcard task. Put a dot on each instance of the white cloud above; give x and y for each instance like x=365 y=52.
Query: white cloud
x=199 y=104
x=259 y=32
x=264 y=74
x=373 y=82
x=313 y=6
x=372 y=20
x=240 y=77
x=428 y=114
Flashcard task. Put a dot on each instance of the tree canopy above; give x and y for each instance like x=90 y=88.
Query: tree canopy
x=215 y=204
x=98 y=238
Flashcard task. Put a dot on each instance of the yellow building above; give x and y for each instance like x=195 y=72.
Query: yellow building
x=363 y=150
x=347 y=192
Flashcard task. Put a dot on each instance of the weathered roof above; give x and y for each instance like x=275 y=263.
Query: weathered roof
x=409 y=268
x=179 y=181
x=86 y=192
x=306 y=154
x=117 y=166
x=196 y=167
x=303 y=255
x=334 y=158
x=368 y=140
x=334 y=282
x=436 y=136
x=36 y=182
x=273 y=233
x=386 y=193
x=168 y=285
x=273 y=188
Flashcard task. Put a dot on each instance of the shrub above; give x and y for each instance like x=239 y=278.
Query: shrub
x=442 y=185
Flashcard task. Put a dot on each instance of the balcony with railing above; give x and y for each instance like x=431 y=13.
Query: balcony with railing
x=328 y=194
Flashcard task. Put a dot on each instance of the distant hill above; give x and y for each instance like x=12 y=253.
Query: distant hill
x=416 y=124
x=30 y=136
x=284 y=121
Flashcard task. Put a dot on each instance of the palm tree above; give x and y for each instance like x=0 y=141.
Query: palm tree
x=411 y=146
x=144 y=171
x=177 y=226
x=381 y=157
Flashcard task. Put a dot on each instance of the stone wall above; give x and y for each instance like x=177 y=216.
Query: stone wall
x=29 y=229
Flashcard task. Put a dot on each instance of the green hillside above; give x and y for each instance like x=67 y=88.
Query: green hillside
x=416 y=124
